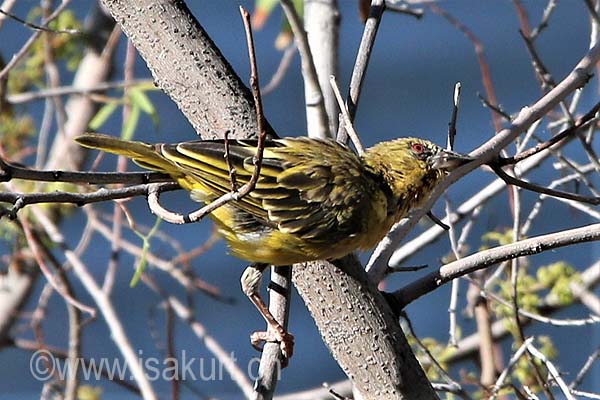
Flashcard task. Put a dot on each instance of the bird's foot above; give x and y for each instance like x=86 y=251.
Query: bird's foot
x=280 y=335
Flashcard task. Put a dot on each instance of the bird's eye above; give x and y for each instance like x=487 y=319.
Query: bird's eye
x=418 y=148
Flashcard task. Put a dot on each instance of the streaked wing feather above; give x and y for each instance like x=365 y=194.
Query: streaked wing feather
x=311 y=190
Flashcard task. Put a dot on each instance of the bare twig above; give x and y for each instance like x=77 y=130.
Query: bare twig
x=585 y=369
x=20 y=200
x=492 y=256
x=456 y=387
x=281 y=278
x=26 y=97
x=38 y=252
x=455 y=283
x=346 y=117
x=545 y=19
x=104 y=305
x=494 y=107
x=437 y=221
x=362 y=62
x=284 y=64
x=552 y=370
x=511 y=363
x=581 y=123
x=10 y=171
x=591 y=320
x=21 y=53
x=36 y=27
x=509 y=179
x=316 y=116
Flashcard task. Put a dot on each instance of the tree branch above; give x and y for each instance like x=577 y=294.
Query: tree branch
x=493 y=256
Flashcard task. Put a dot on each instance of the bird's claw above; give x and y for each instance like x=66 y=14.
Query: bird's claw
x=285 y=340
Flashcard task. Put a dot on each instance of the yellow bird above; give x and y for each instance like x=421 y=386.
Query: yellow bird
x=314 y=199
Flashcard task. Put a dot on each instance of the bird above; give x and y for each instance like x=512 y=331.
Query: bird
x=315 y=199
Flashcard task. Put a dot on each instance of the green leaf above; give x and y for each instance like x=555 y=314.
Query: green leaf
x=102 y=115
x=139 y=98
x=139 y=270
x=131 y=123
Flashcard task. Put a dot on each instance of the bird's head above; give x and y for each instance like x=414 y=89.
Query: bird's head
x=411 y=166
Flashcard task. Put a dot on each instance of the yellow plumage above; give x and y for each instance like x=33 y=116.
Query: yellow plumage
x=314 y=199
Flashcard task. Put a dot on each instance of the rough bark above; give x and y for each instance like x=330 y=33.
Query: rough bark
x=361 y=331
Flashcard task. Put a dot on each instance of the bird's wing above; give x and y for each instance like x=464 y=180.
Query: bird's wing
x=310 y=188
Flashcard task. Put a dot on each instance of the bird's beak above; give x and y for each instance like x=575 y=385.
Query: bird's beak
x=449 y=160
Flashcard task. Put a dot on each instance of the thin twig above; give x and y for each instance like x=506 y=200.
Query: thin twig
x=362 y=62
x=494 y=107
x=485 y=258
x=20 y=200
x=585 y=369
x=509 y=179
x=10 y=171
x=36 y=27
x=545 y=19
x=455 y=283
x=37 y=251
x=279 y=300
x=437 y=221
x=551 y=369
x=455 y=385
x=316 y=116
x=21 y=53
x=346 y=117
x=581 y=123
x=511 y=363
x=282 y=68
x=26 y=97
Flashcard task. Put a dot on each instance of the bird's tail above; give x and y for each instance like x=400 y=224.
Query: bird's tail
x=143 y=154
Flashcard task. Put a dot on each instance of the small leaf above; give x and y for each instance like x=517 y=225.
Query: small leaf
x=102 y=115
x=141 y=267
x=139 y=98
x=131 y=123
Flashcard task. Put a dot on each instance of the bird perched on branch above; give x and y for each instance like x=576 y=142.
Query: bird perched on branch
x=314 y=199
